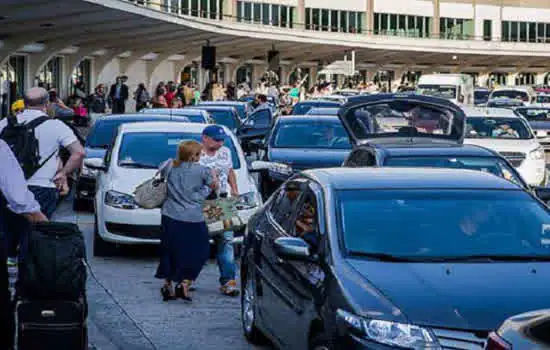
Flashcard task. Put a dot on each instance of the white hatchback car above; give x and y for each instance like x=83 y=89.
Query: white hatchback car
x=509 y=134
x=137 y=152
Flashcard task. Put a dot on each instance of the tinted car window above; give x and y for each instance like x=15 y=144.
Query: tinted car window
x=490 y=165
x=504 y=103
x=482 y=222
x=323 y=111
x=543 y=99
x=481 y=95
x=512 y=94
x=261 y=119
x=311 y=135
x=497 y=128
x=150 y=149
x=225 y=118
x=302 y=108
x=534 y=113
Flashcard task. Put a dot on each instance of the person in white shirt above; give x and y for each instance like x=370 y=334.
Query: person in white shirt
x=218 y=158
x=14 y=197
x=46 y=183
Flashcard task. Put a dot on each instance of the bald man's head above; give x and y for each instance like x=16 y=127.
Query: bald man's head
x=36 y=97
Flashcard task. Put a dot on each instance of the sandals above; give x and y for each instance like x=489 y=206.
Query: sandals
x=182 y=291
x=166 y=293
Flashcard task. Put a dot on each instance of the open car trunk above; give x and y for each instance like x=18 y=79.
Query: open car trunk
x=414 y=117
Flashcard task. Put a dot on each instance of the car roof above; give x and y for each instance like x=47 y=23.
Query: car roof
x=407 y=178
x=472 y=112
x=308 y=118
x=214 y=108
x=165 y=127
x=133 y=116
x=174 y=110
x=222 y=103
x=435 y=149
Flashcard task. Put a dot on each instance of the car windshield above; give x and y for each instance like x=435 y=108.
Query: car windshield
x=504 y=103
x=150 y=149
x=492 y=165
x=443 y=91
x=497 y=128
x=240 y=107
x=225 y=118
x=534 y=113
x=512 y=94
x=481 y=95
x=543 y=99
x=323 y=111
x=443 y=223
x=194 y=117
x=303 y=108
x=311 y=135
x=104 y=131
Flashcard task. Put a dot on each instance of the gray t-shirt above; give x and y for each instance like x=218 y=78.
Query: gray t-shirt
x=186 y=191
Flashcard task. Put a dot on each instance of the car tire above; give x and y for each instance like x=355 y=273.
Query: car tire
x=322 y=342
x=101 y=247
x=248 y=311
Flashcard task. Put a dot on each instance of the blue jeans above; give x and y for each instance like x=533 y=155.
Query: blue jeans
x=225 y=256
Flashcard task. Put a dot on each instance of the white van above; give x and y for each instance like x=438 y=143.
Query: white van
x=526 y=94
x=459 y=88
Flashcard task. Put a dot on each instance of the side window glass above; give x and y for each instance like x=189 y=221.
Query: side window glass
x=306 y=223
x=282 y=208
x=263 y=119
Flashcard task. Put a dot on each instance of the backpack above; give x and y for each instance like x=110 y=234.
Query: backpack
x=22 y=140
x=53 y=265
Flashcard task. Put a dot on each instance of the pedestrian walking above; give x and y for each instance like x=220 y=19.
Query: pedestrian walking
x=185 y=246
x=142 y=97
x=118 y=96
x=14 y=197
x=217 y=157
x=159 y=100
x=46 y=177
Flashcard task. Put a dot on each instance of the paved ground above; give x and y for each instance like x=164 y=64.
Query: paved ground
x=126 y=311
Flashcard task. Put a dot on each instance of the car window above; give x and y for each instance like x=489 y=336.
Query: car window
x=497 y=128
x=543 y=99
x=282 y=209
x=534 y=113
x=260 y=120
x=150 y=149
x=443 y=91
x=301 y=108
x=475 y=222
x=512 y=94
x=103 y=132
x=329 y=135
x=492 y=165
x=225 y=118
x=306 y=221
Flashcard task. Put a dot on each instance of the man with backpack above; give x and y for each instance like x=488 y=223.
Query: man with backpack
x=14 y=196
x=36 y=139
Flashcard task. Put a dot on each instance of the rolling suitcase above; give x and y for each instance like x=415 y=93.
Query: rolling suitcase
x=51 y=324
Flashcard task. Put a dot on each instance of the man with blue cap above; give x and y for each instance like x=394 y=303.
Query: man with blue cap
x=218 y=157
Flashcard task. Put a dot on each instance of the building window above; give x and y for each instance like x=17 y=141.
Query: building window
x=402 y=25
x=531 y=32
x=456 y=28
x=264 y=13
x=334 y=20
x=487 y=29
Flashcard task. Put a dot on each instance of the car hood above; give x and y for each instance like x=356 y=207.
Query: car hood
x=468 y=296
x=504 y=145
x=95 y=152
x=301 y=159
x=125 y=180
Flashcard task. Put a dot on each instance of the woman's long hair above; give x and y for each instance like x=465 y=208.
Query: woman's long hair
x=188 y=151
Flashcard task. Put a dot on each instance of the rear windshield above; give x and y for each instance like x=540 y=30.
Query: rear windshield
x=513 y=94
x=534 y=113
x=497 y=128
x=325 y=135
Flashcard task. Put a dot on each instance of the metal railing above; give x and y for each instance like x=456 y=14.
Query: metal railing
x=173 y=7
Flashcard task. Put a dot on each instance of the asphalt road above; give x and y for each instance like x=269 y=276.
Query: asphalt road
x=126 y=311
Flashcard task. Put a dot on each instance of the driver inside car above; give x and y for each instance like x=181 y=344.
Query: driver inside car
x=505 y=131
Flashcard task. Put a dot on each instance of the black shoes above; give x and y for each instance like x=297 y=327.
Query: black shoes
x=180 y=293
x=165 y=292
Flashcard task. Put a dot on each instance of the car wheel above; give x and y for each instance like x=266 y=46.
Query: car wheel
x=248 y=311
x=101 y=247
x=322 y=342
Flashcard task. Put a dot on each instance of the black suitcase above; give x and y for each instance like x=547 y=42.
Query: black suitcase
x=51 y=324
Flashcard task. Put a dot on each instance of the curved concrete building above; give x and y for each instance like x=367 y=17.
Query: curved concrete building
x=58 y=42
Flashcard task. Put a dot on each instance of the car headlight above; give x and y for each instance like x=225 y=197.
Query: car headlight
x=394 y=334
x=537 y=154
x=87 y=172
x=120 y=200
x=248 y=200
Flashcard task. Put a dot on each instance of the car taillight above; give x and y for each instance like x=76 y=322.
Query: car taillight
x=495 y=342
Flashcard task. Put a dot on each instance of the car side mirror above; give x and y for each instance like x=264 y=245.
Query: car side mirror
x=542 y=193
x=259 y=165
x=95 y=164
x=292 y=248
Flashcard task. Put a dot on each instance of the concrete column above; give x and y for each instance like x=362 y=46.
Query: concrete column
x=230 y=10
x=300 y=15
x=483 y=79
x=540 y=78
x=370 y=17
x=511 y=78
x=435 y=20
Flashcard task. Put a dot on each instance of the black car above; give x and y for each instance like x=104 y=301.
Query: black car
x=301 y=108
x=98 y=142
x=392 y=258
x=481 y=96
x=530 y=330
x=298 y=143
x=223 y=115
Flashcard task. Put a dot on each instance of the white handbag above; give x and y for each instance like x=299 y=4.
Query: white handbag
x=152 y=193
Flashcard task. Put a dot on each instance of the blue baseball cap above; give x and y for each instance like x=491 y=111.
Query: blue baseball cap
x=215 y=132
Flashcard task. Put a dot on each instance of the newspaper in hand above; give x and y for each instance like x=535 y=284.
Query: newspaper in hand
x=221 y=209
